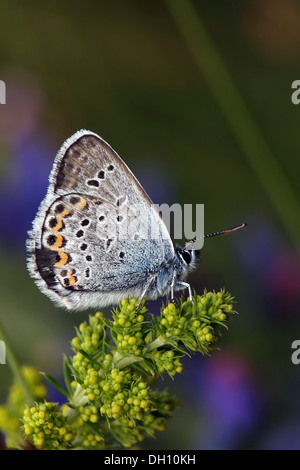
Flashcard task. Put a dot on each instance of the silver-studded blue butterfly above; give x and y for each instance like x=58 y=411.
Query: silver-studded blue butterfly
x=97 y=236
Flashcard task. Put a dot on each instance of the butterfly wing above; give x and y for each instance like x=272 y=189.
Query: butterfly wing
x=97 y=234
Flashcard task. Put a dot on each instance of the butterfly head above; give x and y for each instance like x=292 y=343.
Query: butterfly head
x=188 y=258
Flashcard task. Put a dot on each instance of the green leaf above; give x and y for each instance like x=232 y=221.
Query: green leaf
x=89 y=357
x=68 y=375
x=56 y=385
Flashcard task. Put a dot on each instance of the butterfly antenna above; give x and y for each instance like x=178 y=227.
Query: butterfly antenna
x=215 y=234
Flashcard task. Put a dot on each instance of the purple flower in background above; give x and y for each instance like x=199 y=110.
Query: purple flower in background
x=26 y=158
x=273 y=268
x=230 y=405
x=282 y=280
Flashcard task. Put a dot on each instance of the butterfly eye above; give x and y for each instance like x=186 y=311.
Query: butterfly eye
x=186 y=256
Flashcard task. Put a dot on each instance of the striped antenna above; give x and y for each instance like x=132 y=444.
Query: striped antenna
x=215 y=234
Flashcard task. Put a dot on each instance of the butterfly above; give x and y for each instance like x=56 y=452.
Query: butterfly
x=97 y=236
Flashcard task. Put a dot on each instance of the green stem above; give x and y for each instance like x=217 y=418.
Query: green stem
x=124 y=361
x=15 y=367
x=256 y=150
x=79 y=398
x=159 y=341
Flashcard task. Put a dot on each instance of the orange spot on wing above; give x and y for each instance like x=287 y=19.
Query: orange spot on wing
x=63 y=259
x=59 y=239
x=58 y=226
x=64 y=213
x=81 y=204
x=72 y=280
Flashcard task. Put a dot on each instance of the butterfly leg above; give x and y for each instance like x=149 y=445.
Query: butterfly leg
x=173 y=301
x=172 y=289
x=185 y=284
x=148 y=284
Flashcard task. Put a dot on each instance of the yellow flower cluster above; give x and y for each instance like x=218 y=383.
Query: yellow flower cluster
x=172 y=320
x=167 y=361
x=124 y=394
x=12 y=412
x=110 y=376
x=128 y=325
x=46 y=427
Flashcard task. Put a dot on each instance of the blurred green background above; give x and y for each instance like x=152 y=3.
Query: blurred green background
x=147 y=78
